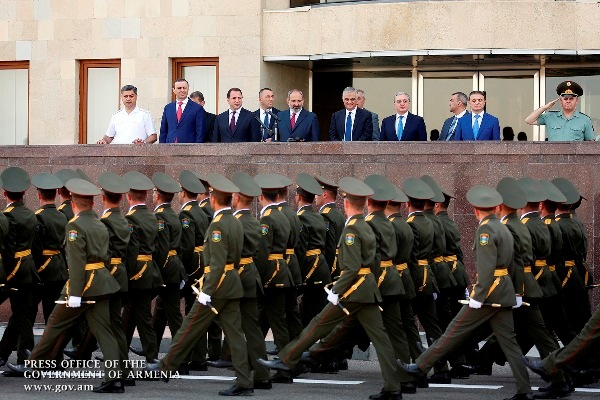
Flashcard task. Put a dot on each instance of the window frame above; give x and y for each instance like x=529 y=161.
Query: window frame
x=178 y=63
x=21 y=65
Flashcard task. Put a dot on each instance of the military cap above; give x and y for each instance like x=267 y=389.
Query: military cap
x=438 y=194
x=83 y=175
x=81 y=187
x=383 y=190
x=534 y=192
x=353 y=187
x=269 y=181
x=569 y=87
x=247 y=185
x=65 y=174
x=165 y=183
x=484 y=197
x=113 y=183
x=568 y=189
x=190 y=182
x=417 y=189
x=309 y=184
x=45 y=180
x=327 y=184
x=512 y=194
x=138 y=181
x=552 y=192
x=202 y=177
x=221 y=184
x=15 y=179
x=400 y=196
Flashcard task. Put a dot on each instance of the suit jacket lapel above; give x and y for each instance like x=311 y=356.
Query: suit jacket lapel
x=302 y=115
x=185 y=112
x=357 y=118
x=484 y=122
x=241 y=117
x=409 y=120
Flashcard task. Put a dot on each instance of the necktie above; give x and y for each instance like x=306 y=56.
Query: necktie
x=179 y=110
x=452 y=129
x=293 y=121
x=400 y=127
x=232 y=123
x=266 y=122
x=348 y=135
x=476 y=126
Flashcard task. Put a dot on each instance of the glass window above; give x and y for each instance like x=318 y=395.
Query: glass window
x=14 y=113
x=380 y=91
x=203 y=75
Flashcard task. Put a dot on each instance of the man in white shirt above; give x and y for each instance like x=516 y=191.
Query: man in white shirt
x=131 y=124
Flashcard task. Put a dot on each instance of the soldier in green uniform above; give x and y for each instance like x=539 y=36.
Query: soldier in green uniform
x=65 y=196
x=194 y=223
x=89 y=286
x=355 y=291
x=19 y=265
x=204 y=198
x=221 y=290
x=493 y=248
x=3 y=233
x=567 y=124
x=144 y=275
x=48 y=246
x=309 y=251
x=167 y=307
x=334 y=221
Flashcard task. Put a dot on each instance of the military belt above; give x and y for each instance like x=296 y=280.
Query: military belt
x=450 y=258
x=275 y=256
x=115 y=261
x=94 y=266
x=386 y=263
x=24 y=253
x=569 y=263
x=422 y=263
x=50 y=254
x=401 y=267
x=198 y=249
x=228 y=267
x=541 y=263
x=552 y=268
x=289 y=252
x=172 y=253
x=246 y=260
x=527 y=270
x=145 y=258
x=363 y=272
x=314 y=252
x=19 y=255
x=498 y=273
x=337 y=251
x=438 y=259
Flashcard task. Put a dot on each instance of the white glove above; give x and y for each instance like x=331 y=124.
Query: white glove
x=74 y=302
x=332 y=297
x=519 y=302
x=474 y=304
x=434 y=296
x=203 y=298
x=181 y=285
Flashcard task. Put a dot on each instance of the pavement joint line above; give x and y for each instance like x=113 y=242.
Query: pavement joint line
x=581 y=390
x=459 y=386
x=296 y=380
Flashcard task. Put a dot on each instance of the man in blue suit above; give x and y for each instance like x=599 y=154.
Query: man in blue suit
x=403 y=126
x=266 y=99
x=352 y=123
x=236 y=124
x=458 y=106
x=182 y=120
x=296 y=122
x=480 y=125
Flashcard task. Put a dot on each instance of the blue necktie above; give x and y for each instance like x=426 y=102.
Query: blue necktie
x=400 y=128
x=452 y=129
x=348 y=135
x=476 y=126
x=266 y=122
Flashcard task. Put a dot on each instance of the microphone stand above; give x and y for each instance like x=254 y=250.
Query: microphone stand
x=269 y=131
x=276 y=120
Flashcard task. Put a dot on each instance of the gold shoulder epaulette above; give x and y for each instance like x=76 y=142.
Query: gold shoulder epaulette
x=131 y=212
x=39 y=211
x=280 y=208
x=548 y=221
x=525 y=220
x=160 y=210
x=267 y=213
x=504 y=221
x=301 y=212
x=187 y=208
x=106 y=214
x=557 y=219
x=61 y=207
x=370 y=217
x=412 y=217
x=352 y=222
x=9 y=209
x=218 y=218
x=202 y=205
x=392 y=219
x=74 y=219
x=484 y=222
x=238 y=216
x=326 y=210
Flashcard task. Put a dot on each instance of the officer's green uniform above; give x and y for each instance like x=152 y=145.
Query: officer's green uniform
x=143 y=272
x=493 y=248
x=64 y=175
x=48 y=248
x=222 y=252
x=358 y=293
x=19 y=266
x=3 y=233
x=87 y=256
x=334 y=224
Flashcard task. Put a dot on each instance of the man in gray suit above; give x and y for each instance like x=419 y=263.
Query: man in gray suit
x=360 y=102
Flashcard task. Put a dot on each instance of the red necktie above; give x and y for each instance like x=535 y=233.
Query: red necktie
x=232 y=123
x=293 y=121
x=179 y=111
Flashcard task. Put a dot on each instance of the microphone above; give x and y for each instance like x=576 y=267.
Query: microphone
x=273 y=115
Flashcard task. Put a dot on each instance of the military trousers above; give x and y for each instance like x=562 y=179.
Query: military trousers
x=137 y=313
x=167 y=309
x=272 y=312
x=19 y=331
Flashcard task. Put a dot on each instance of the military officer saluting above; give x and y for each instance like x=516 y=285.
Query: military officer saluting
x=493 y=257
x=334 y=220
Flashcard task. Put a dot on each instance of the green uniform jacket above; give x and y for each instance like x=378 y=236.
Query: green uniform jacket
x=453 y=249
x=21 y=233
x=356 y=251
x=404 y=243
x=334 y=224
x=386 y=248
x=275 y=233
x=441 y=269
x=87 y=243
x=249 y=276
x=50 y=235
x=312 y=237
x=67 y=209
x=3 y=234
x=423 y=233
x=194 y=223
x=582 y=267
x=167 y=240
x=118 y=240
x=493 y=248
x=541 y=243
x=524 y=282
x=571 y=235
x=293 y=264
x=557 y=243
x=144 y=229
x=223 y=246
x=207 y=209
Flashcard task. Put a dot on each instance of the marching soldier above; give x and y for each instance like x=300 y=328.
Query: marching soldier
x=3 y=233
x=65 y=196
x=204 y=198
x=334 y=221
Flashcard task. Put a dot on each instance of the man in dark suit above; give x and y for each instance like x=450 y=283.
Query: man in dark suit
x=481 y=125
x=352 y=123
x=458 y=106
x=403 y=126
x=209 y=121
x=296 y=122
x=266 y=99
x=236 y=124
x=182 y=120
x=361 y=98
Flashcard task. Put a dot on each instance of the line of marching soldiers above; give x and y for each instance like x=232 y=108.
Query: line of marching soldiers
x=360 y=279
